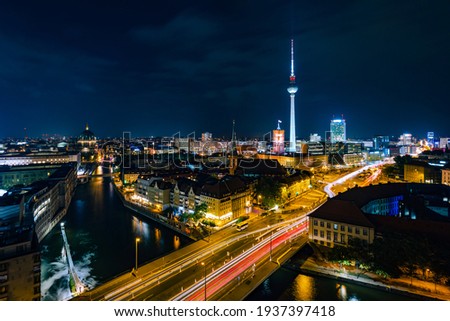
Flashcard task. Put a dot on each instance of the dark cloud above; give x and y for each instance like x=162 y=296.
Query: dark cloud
x=158 y=68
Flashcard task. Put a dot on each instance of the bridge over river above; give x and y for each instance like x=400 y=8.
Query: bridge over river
x=79 y=286
x=231 y=262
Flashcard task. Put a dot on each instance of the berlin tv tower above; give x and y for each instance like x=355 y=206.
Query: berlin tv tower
x=292 y=89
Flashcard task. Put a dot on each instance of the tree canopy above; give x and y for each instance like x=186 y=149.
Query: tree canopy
x=270 y=191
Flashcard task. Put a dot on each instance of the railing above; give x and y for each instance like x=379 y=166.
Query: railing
x=79 y=286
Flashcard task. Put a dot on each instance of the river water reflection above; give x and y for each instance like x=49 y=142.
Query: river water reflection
x=101 y=233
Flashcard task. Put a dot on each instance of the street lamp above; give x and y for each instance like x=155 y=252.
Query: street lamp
x=204 y=265
x=137 y=241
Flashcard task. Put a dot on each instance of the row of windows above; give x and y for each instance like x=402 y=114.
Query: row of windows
x=341 y=227
x=337 y=238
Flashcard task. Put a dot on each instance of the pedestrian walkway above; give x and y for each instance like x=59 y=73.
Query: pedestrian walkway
x=421 y=288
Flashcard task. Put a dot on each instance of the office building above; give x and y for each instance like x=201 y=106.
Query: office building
x=338 y=130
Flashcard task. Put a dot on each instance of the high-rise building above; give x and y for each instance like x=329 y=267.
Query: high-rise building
x=380 y=142
x=338 y=130
x=430 y=139
x=405 y=139
x=278 y=140
x=292 y=89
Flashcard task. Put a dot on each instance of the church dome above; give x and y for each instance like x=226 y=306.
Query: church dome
x=87 y=135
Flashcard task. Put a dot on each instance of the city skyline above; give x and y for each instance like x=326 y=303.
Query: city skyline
x=155 y=70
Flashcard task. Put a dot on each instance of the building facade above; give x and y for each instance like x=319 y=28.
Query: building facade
x=155 y=191
x=338 y=131
x=49 y=200
x=20 y=264
x=278 y=141
x=337 y=222
x=227 y=198
x=295 y=185
x=422 y=172
x=446 y=176
x=24 y=175
x=23 y=159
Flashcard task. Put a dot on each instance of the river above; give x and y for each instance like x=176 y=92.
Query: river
x=288 y=285
x=101 y=234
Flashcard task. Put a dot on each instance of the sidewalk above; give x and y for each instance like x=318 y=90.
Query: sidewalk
x=418 y=288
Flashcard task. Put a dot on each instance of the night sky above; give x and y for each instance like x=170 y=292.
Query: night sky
x=161 y=67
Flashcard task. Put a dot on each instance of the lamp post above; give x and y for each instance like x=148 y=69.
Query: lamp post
x=137 y=241
x=204 y=265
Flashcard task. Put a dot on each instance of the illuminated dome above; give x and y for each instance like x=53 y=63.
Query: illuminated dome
x=87 y=135
x=87 y=140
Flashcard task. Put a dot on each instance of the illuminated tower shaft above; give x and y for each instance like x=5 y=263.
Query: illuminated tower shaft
x=292 y=89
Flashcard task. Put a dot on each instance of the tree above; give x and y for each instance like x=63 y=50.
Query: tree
x=199 y=212
x=389 y=170
x=270 y=191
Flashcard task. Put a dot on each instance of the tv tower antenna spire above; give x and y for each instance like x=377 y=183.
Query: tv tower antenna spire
x=292 y=78
x=292 y=89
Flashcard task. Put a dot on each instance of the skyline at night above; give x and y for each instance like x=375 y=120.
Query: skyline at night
x=159 y=69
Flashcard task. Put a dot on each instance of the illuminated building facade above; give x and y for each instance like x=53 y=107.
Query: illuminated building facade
x=444 y=142
x=338 y=130
x=430 y=139
x=278 y=140
x=87 y=143
x=315 y=138
x=206 y=137
x=49 y=200
x=405 y=139
x=21 y=159
x=87 y=138
x=446 y=176
x=226 y=199
x=337 y=222
x=294 y=185
x=380 y=142
x=155 y=191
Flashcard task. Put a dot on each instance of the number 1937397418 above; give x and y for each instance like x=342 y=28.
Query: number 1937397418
x=296 y=311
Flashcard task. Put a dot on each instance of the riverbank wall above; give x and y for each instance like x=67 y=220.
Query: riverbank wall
x=154 y=216
x=313 y=268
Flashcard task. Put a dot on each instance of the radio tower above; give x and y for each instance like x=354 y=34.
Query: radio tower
x=292 y=89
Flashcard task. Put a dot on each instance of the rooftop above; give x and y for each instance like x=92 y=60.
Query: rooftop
x=341 y=211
